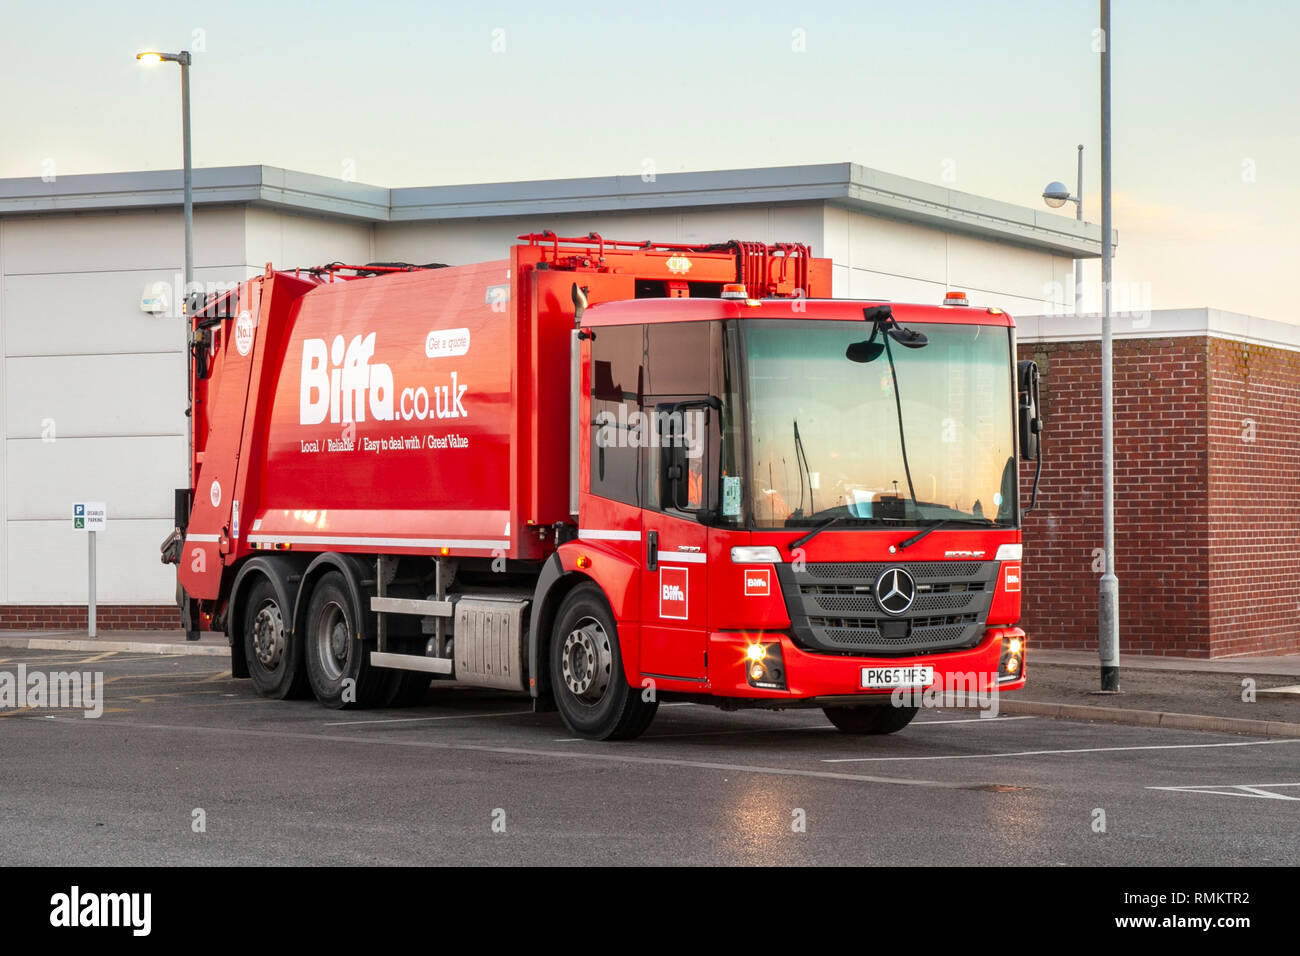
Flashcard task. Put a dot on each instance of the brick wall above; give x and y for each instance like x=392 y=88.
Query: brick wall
x=1254 y=511
x=1198 y=509
x=70 y=617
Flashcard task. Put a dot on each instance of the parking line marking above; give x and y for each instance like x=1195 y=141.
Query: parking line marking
x=1081 y=750
x=583 y=754
x=820 y=728
x=411 y=720
x=815 y=728
x=972 y=720
x=1259 y=790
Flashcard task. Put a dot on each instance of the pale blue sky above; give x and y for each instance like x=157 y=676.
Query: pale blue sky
x=995 y=95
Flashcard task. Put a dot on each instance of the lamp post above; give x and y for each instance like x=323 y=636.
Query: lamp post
x=1056 y=196
x=1108 y=595
x=150 y=57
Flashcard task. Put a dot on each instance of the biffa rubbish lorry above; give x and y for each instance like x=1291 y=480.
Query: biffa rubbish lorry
x=606 y=474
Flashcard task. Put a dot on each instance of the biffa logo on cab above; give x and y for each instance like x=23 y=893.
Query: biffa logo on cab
x=758 y=583
x=673 y=586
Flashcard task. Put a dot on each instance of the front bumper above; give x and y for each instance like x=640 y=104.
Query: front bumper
x=809 y=676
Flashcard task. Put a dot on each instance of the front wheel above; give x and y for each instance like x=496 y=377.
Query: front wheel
x=591 y=691
x=870 y=719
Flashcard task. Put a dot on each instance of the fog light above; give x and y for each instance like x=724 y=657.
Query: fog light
x=765 y=666
x=1011 y=665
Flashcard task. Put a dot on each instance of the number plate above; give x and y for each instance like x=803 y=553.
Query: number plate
x=882 y=677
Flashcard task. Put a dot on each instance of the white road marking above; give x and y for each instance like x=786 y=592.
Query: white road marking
x=1081 y=750
x=816 y=728
x=1254 y=790
x=601 y=756
x=412 y=720
x=972 y=720
x=813 y=727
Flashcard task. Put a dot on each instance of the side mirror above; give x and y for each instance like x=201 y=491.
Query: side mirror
x=1030 y=424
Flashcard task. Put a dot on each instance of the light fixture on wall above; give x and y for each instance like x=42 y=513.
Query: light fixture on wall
x=1056 y=195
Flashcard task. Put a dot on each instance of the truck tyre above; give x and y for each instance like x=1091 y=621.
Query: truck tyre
x=591 y=692
x=870 y=719
x=338 y=663
x=271 y=650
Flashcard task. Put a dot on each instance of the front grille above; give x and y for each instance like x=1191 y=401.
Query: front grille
x=833 y=606
x=919 y=570
x=915 y=622
x=917 y=642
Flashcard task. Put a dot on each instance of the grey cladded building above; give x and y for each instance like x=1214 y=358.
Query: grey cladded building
x=92 y=386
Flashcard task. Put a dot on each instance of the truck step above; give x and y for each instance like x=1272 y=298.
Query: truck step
x=411 y=662
x=387 y=605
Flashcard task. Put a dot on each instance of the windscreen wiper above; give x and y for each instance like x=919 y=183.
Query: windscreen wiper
x=839 y=519
x=920 y=535
x=801 y=541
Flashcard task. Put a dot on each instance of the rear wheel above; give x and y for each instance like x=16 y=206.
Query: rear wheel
x=870 y=719
x=591 y=692
x=338 y=661
x=271 y=651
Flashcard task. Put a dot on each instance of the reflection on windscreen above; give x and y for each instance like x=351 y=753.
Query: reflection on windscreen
x=825 y=430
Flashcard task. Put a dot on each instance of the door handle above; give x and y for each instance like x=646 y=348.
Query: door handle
x=652 y=551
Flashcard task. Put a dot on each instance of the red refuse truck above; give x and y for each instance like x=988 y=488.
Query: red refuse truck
x=606 y=474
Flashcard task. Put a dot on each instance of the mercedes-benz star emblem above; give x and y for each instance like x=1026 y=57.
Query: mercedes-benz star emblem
x=895 y=591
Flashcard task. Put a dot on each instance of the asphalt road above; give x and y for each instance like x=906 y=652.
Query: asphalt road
x=474 y=777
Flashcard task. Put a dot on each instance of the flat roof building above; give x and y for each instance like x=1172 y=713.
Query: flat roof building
x=92 y=386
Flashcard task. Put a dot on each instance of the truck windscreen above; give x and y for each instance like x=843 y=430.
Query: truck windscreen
x=824 y=433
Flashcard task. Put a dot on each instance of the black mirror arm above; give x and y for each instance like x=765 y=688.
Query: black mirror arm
x=1038 y=468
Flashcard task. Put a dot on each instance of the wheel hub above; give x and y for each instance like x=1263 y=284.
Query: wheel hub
x=268 y=636
x=332 y=638
x=587 y=661
x=339 y=642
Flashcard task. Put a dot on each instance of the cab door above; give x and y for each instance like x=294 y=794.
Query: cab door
x=680 y=427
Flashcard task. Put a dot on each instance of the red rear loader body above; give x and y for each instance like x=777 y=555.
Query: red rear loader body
x=603 y=474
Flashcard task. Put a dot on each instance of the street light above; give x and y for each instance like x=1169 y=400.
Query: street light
x=149 y=58
x=189 y=616
x=1057 y=195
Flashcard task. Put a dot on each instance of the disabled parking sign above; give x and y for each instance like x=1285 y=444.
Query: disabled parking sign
x=89 y=516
